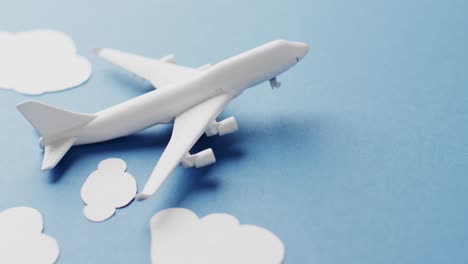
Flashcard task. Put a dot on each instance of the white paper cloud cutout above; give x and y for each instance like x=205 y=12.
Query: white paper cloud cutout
x=21 y=238
x=107 y=188
x=178 y=236
x=40 y=61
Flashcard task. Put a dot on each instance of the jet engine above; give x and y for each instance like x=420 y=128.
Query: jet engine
x=227 y=126
x=201 y=159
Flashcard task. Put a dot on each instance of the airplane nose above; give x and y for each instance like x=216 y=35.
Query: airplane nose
x=301 y=48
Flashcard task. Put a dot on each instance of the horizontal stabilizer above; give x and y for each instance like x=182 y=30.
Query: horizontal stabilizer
x=49 y=120
x=54 y=152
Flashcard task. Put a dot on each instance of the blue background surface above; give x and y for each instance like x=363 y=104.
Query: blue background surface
x=360 y=157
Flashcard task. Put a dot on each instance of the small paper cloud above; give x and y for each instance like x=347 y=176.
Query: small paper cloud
x=21 y=238
x=106 y=189
x=40 y=61
x=178 y=236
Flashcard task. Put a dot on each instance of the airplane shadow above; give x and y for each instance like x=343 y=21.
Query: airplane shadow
x=294 y=131
x=144 y=140
x=226 y=148
x=194 y=181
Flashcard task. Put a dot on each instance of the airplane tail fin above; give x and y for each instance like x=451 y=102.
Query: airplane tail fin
x=50 y=122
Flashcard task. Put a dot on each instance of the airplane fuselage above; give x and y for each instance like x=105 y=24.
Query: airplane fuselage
x=231 y=76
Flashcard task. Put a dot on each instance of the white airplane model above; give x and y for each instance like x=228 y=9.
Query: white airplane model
x=192 y=98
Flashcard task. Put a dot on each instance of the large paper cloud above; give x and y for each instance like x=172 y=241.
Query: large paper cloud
x=178 y=236
x=39 y=61
x=21 y=238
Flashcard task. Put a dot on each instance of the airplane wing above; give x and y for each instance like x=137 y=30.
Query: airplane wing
x=158 y=72
x=188 y=128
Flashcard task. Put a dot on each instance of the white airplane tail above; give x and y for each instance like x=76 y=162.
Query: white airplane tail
x=51 y=122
